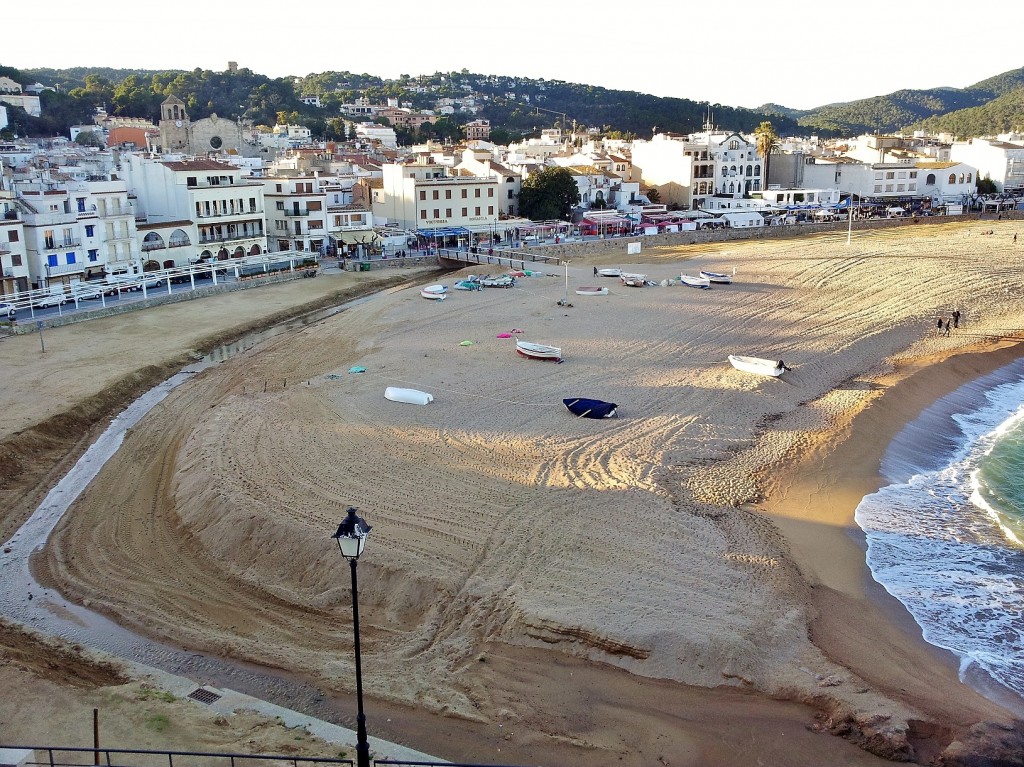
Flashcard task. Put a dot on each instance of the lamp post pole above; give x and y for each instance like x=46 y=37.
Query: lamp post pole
x=351 y=537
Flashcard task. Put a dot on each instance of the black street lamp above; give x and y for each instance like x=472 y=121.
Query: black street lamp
x=351 y=537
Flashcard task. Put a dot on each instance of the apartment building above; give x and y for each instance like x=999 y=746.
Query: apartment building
x=296 y=212
x=424 y=195
x=217 y=209
x=14 y=274
x=691 y=169
x=1000 y=161
x=76 y=230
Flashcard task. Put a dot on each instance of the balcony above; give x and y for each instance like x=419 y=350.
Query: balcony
x=229 y=213
x=50 y=245
x=214 y=238
x=59 y=269
x=296 y=213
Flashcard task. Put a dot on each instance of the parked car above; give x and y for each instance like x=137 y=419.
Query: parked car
x=53 y=298
x=7 y=310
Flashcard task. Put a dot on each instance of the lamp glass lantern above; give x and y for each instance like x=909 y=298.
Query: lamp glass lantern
x=351 y=535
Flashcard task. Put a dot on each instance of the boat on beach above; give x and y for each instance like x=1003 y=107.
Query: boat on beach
x=504 y=281
x=470 y=283
x=591 y=290
x=633 y=280
x=538 y=351
x=716 y=277
x=695 y=282
x=589 y=408
x=609 y=272
x=434 y=292
x=409 y=396
x=758 y=366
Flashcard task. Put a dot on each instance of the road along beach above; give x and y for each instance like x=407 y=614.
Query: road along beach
x=522 y=560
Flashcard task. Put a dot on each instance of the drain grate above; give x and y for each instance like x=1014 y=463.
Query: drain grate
x=204 y=696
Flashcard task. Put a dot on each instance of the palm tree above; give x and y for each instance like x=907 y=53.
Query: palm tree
x=767 y=142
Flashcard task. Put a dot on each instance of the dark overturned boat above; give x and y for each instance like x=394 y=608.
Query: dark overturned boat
x=589 y=408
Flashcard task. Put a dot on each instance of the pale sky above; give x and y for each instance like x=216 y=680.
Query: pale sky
x=741 y=53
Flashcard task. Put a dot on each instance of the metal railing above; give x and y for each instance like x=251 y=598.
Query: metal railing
x=125 y=757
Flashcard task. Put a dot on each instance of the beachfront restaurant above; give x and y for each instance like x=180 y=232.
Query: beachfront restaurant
x=442 y=237
x=605 y=225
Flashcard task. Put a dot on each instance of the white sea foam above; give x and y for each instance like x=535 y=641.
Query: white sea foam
x=936 y=545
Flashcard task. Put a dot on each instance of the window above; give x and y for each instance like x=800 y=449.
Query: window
x=15 y=259
x=476 y=192
x=725 y=171
x=190 y=181
x=477 y=211
x=94 y=256
x=465 y=194
x=900 y=187
x=901 y=174
x=913 y=174
x=889 y=175
x=48 y=240
x=878 y=175
x=51 y=260
x=447 y=212
x=70 y=257
x=81 y=204
x=252 y=204
x=423 y=194
x=961 y=178
x=90 y=230
x=952 y=178
x=280 y=204
x=930 y=178
x=423 y=214
x=434 y=195
x=465 y=212
x=490 y=191
x=490 y=210
x=279 y=225
x=511 y=194
x=878 y=188
x=447 y=194
x=912 y=187
x=888 y=187
x=968 y=178
x=437 y=213
x=278 y=187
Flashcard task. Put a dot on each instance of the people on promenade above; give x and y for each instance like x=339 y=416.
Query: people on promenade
x=946 y=329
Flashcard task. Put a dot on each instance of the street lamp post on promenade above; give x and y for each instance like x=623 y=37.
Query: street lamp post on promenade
x=351 y=537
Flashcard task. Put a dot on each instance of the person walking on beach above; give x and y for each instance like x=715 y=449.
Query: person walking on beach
x=939 y=325
x=956 y=318
x=946 y=329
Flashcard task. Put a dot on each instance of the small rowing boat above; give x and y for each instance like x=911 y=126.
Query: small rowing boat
x=609 y=272
x=716 y=277
x=695 y=282
x=591 y=291
x=538 y=351
x=589 y=408
x=758 y=366
x=434 y=292
x=505 y=281
x=633 y=280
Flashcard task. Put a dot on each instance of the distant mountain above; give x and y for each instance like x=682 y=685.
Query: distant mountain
x=1001 y=115
x=906 y=108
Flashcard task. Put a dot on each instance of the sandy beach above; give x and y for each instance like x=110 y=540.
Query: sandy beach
x=681 y=584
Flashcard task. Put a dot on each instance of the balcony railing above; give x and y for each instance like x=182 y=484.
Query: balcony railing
x=148 y=246
x=59 y=269
x=228 y=213
x=226 y=237
x=299 y=212
x=62 y=245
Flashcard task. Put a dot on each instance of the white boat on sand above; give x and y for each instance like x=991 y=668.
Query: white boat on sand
x=695 y=282
x=434 y=292
x=758 y=366
x=633 y=280
x=717 y=277
x=591 y=291
x=609 y=272
x=538 y=351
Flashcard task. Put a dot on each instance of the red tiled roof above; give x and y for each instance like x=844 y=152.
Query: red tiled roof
x=198 y=165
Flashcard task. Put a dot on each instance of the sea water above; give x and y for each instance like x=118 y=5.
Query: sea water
x=946 y=535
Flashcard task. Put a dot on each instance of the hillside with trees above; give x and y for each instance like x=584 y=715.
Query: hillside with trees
x=515 y=106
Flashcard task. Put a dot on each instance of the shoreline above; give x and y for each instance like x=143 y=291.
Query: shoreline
x=846 y=595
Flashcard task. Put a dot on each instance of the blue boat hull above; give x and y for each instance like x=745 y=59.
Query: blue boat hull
x=589 y=408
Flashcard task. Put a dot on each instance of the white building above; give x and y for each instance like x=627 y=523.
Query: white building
x=421 y=195
x=691 y=169
x=479 y=162
x=14 y=274
x=11 y=93
x=217 y=210
x=380 y=133
x=1000 y=161
x=296 y=213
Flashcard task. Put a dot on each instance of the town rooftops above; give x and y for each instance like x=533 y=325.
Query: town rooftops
x=199 y=165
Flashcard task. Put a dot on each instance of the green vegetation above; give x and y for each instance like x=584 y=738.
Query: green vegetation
x=549 y=194
x=515 y=106
x=158 y=722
